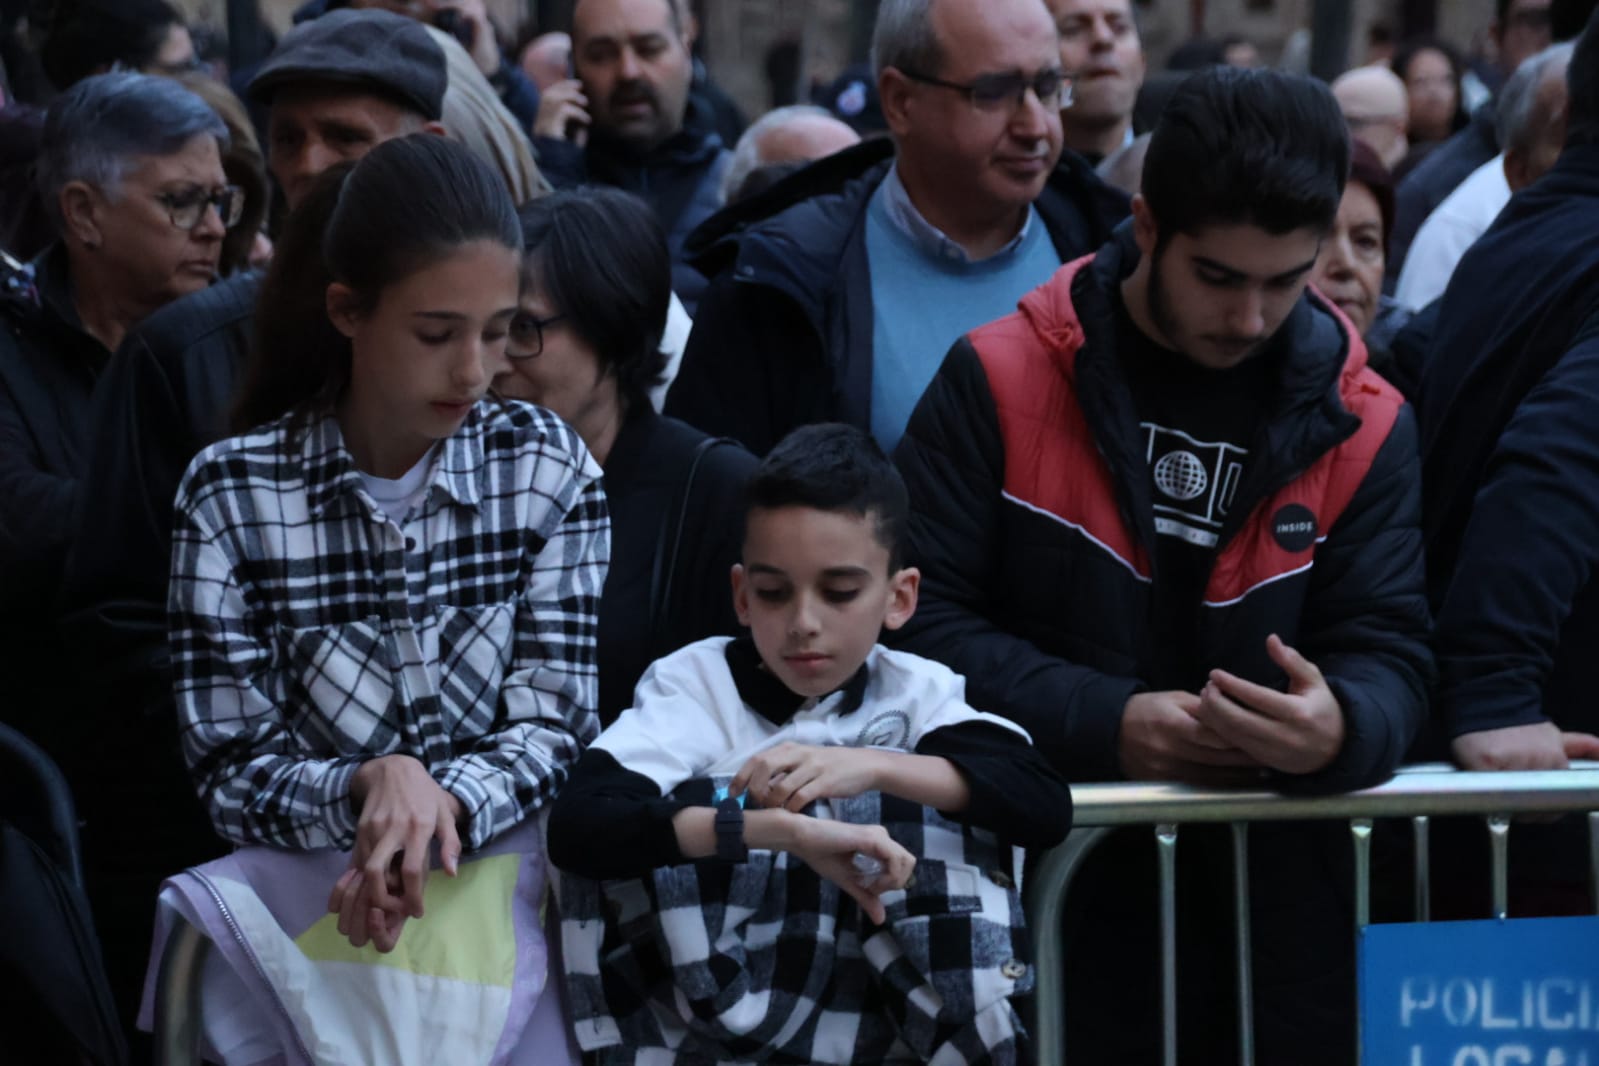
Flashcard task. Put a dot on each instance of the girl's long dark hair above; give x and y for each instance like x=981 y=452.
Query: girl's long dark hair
x=405 y=204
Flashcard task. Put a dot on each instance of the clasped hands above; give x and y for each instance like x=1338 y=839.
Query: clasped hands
x=403 y=812
x=1233 y=730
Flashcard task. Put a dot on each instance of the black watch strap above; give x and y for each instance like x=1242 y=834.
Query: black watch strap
x=730 y=846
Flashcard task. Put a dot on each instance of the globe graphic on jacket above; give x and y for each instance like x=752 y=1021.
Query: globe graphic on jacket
x=1180 y=475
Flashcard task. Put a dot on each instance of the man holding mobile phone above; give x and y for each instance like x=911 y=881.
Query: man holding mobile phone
x=627 y=118
x=1169 y=521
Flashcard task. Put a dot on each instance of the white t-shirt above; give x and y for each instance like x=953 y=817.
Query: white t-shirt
x=398 y=495
x=1453 y=227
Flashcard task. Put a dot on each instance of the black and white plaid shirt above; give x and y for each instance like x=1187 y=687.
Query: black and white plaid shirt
x=716 y=963
x=311 y=633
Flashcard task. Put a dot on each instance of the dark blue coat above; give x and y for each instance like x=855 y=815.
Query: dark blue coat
x=1509 y=413
x=783 y=337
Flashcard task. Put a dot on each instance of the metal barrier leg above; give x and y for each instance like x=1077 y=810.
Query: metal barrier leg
x=1246 y=981
x=1166 y=846
x=1593 y=857
x=177 y=997
x=1420 y=839
x=1499 y=845
x=1360 y=834
x=1046 y=902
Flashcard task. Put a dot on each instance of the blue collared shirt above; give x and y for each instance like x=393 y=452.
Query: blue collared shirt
x=927 y=237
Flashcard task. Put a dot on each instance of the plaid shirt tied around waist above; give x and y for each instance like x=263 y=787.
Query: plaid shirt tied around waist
x=764 y=961
x=310 y=632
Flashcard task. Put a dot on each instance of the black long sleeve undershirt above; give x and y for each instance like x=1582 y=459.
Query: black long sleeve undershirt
x=610 y=822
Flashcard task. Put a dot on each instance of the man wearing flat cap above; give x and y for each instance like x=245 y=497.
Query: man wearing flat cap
x=340 y=84
x=335 y=87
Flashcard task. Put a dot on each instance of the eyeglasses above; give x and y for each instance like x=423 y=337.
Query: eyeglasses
x=527 y=335
x=994 y=93
x=187 y=209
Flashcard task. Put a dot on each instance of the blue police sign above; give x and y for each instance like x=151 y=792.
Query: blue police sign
x=1523 y=992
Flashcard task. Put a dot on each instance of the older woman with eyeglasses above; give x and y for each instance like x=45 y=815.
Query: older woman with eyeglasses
x=130 y=172
x=586 y=345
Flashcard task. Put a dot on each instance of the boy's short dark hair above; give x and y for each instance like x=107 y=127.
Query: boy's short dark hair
x=834 y=467
x=1247 y=147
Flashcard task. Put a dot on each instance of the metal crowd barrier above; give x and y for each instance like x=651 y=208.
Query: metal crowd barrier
x=177 y=997
x=1417 y=793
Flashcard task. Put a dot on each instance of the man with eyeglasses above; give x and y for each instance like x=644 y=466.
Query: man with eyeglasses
x=335 y=87
x=130 y=173
x=837 y=293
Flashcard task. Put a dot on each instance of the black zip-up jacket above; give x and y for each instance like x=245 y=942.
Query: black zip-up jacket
x=1033 y=525
x=1510 y=454
x=783 y=335
x=48 y=369
x=164 y=396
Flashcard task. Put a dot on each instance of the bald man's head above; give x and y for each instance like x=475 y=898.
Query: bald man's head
x=547 y=59
x=1376 y=106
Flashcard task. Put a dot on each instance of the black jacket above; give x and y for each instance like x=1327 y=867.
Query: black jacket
x=164 y=396
x=645 y=478
x=783 y=336
x=1434 y=178
x=680 y=179
x=48 y=370
x=1033 y=524
x=1511 y=463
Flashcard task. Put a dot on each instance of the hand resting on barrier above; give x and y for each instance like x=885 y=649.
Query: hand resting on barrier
x=1537 y=746
x=1162 y=739
x=1296 y=732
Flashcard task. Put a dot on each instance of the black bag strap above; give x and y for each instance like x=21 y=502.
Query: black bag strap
x=667 y=547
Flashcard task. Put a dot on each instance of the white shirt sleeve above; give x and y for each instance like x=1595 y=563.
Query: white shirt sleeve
x=682 y=718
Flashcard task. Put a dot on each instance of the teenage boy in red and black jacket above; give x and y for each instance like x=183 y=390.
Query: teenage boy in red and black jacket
x=1170 y=522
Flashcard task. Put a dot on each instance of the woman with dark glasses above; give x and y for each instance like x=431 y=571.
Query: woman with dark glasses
x=586 y=344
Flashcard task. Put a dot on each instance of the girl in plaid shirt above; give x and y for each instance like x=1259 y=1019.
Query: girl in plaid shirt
x=383 y=598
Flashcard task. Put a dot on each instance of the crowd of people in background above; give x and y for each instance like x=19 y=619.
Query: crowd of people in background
x=445 y=472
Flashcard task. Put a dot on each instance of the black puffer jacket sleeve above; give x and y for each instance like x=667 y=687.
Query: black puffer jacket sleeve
x=953 y=461
x=1366 y=623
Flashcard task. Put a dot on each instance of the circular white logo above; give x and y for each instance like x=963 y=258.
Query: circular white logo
x=889 y=729
x=1180 y=475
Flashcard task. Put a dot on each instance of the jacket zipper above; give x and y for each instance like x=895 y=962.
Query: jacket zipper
x=260 y=971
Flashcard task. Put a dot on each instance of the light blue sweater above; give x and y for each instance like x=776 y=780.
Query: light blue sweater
x=926 y=294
